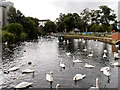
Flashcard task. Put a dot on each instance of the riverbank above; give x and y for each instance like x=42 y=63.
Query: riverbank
x=102 y=39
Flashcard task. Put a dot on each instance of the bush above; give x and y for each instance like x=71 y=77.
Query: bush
x=9 y=37
x=15 y=28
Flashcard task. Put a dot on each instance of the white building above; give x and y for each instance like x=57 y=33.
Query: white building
x=4 y=7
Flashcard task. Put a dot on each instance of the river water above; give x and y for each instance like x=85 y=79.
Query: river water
x=45 y=54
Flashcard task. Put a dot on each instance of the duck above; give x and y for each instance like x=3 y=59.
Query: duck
x=79 y=77
x=115 y=64
x=105 y=51
x=13 y=69
x=104 y=55
x=29 y=70
x=96 y=84
x=22 y=84
x=76 y=61
x=68 y=53
x=49 y=77
x=104 y=68
x=91 y=54
x=89 y=66
x=61 y=64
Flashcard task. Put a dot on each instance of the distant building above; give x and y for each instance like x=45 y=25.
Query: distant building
x=4 y=7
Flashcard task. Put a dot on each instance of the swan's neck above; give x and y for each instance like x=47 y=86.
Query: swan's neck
x=15 y=83
x=50 y=76
x=33 y=67
x=97 y=83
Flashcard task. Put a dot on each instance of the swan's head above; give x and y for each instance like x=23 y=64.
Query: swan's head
x=15 y=78
x=58 y=85
x=51 y=72
x=97 y=79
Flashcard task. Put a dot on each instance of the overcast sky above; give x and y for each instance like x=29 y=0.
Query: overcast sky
x=51 y=9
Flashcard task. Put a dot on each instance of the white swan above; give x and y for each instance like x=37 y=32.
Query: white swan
x=96 y=84
x=85 y=49
x=116 y=55
x=22 y=84
x=106 y=72
x=96 y=45
x=76 y=61
x=115 y=64
x=13 y=69
x=105 y=51
x=62 y=65
x=89 y=66
x=104 y=56
x=78 y=77
x=91 y=54
x=58 y=85
x=49 y=77
x=29 y=70
x=104 y=68
x=68 y=53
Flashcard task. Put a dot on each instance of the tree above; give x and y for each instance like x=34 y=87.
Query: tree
x=15 y=16
x=50 y=26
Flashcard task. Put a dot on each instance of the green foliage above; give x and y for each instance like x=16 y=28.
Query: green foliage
x=15 y=28
x=50 y=26
x=7 y=36
x=4 y=27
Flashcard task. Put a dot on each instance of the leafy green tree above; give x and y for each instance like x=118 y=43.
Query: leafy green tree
x=15 y=16
x=50 y=26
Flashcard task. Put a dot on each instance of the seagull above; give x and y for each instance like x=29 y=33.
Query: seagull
x=85 y=49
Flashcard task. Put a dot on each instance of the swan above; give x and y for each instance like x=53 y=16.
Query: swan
x=106 y=72
x=13 y=69
x=104 y=68
x=61 y=64
x=91 y=54
x=22 y=84
x=68 y=53
x=85 y=49
x=116 y=55
x=29 y=70
x=115 y=64
x=58 y=85
x=96 y=84
x=78 y=77
x=104 y=56
x=105 y=51
x=89 y=66
x=49 y=77
x=96 y=45
x=76 y=61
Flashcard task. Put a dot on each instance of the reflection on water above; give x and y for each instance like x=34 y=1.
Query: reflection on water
x=45 y=54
